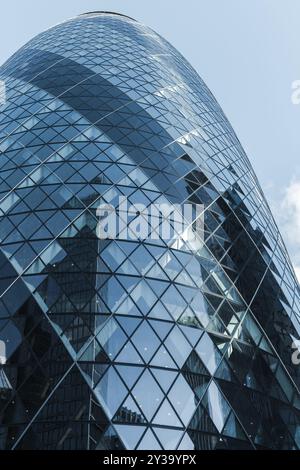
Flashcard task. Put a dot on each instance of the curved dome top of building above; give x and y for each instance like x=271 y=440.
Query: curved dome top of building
x=105 y=13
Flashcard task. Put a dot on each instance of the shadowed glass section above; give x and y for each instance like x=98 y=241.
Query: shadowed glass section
x=130 y=343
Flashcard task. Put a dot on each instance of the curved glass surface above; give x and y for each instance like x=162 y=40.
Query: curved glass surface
x=135 y=344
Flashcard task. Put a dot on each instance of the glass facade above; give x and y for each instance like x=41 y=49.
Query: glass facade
x=135 y=344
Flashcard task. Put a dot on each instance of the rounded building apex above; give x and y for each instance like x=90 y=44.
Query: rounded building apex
x=89 y=13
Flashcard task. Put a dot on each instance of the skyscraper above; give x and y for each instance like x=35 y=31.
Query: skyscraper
x=126 y=343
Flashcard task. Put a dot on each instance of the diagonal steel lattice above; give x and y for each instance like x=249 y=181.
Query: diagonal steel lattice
x=135 y=344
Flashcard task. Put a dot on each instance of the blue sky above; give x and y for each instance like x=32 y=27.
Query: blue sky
x=248 y=52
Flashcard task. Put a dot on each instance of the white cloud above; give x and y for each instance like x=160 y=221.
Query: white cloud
x=297 y=271
x=291 y=212
x=288 y=215
x=2 y=92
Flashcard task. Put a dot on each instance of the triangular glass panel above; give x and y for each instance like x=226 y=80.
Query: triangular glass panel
x=169 y=438
x=165 y=378
x=149 y=442
x=166 y=416
x=129 y=374
x=129 y=413
x=130 y=435
x=163 y=359
x=233 y=428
